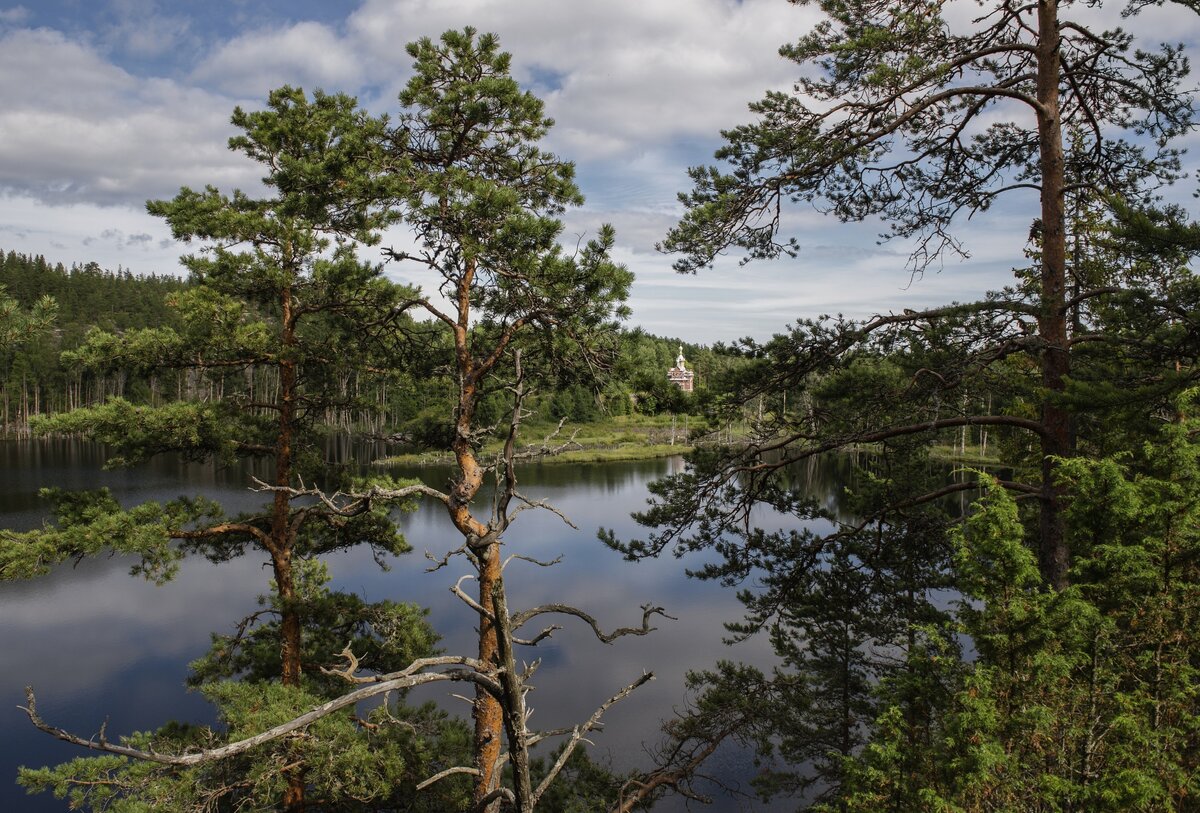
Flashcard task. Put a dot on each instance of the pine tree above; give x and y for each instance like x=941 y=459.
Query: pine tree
x=481 y=197
x=892 y=118
x=279 y=311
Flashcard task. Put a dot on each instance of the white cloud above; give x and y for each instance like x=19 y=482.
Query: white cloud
x=626 y=75
x=75 y=128
x=84 y=232
x=639 y=89
x=306 y=54
x=14 y=15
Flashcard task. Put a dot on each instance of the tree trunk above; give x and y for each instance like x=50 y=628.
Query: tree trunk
x=282 y=540
x=487 y=713
x=281 y=533
x=1054 y=558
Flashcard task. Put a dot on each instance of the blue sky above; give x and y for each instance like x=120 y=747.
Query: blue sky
x=107 y=103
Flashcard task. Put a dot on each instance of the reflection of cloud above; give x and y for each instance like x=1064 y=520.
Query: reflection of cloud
x=581 y=672
x=100 y=613
x=97 y=643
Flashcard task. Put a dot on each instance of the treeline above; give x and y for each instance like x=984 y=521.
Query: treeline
x=36 y=380
x=46 y=376
x=1037 y=654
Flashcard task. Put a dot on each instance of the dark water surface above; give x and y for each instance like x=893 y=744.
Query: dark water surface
x=98 y=644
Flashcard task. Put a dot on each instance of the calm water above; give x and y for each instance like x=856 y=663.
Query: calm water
x=97 y=644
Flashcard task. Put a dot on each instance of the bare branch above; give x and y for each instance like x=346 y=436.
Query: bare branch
x=543 y=504
x=351 y=667
x=224 y=529
x=437 y=777
x=438 y=564
x=531 y=560
x=349 y=504
x=541 y=636
x=522 y=618
x=579 y=730
x=470 y=602
x=497 y=793
x=379 y=685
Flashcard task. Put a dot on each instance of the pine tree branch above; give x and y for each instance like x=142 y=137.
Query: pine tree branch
x=648 y=610
x=477 y=673
x=578 y=731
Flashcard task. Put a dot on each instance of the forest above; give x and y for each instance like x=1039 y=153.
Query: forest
x=42 y=374
x=1037 y=651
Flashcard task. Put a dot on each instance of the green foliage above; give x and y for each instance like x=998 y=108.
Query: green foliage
x=265 y=342
x=18 y=325
x=482 y=198
x=91 y=523
x=583 y=785
x=385 y=636
x=197 y=430
x=879 y=81
x=35 y=379
x=353 y=765
x=1077 y=699
x=351 y=762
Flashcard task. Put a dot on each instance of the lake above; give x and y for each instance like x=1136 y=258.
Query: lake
x=97 y=644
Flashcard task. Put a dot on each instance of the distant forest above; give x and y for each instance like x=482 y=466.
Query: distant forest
x=41 y=376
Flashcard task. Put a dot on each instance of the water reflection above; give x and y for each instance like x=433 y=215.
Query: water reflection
x=98 y=644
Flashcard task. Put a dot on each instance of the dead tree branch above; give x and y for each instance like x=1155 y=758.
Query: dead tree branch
x=577 y=733
x=476 y=673
x=522 y=618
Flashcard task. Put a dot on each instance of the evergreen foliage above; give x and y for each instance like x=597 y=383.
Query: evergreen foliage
x=514 y=312
x=112 y=324
x=1027 y=694
x=1033 y=652
x=278 y=313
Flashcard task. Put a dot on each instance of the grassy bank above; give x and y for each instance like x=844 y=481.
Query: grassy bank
x=622 y=438
x=949 y=453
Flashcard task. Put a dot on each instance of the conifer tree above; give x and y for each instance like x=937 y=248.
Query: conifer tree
x=279 y=310
x=462 y=169
x=902 y=115
x=19 y=325
x=481 y=198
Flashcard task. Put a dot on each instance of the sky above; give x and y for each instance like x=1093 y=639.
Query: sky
x=105 y=104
